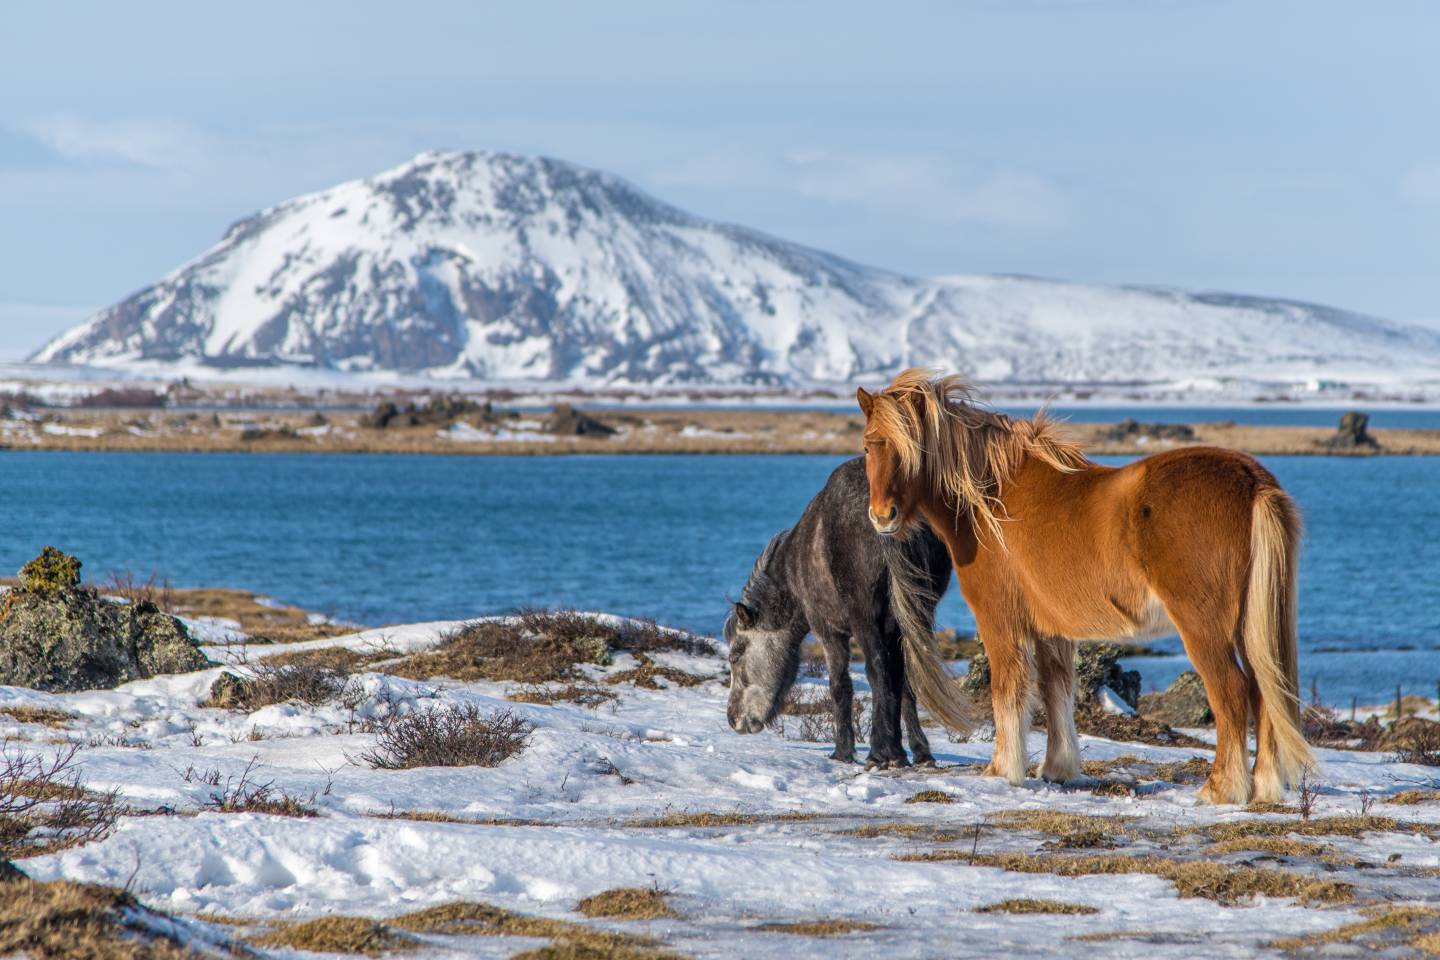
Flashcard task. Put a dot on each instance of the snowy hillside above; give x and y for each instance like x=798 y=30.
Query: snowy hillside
x=479 y=265
x=761 y=846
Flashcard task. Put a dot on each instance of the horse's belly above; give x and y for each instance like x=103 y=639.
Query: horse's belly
x=1113 y=621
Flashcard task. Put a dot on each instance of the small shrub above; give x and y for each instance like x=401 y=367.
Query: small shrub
x=44 y=808
x=155 y=589
x=1416 y=741
x=449 y=736
x=311 y=681
x=244 y=794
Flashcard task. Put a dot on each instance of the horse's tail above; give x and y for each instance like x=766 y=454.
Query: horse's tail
x=1269 y=626
x=912 y=603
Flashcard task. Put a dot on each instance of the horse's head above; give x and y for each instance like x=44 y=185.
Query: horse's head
x=764 y=659
x=891 y=461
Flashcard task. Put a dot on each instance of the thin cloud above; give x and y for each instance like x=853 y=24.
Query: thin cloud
x=155 y=143
x=1422 y=184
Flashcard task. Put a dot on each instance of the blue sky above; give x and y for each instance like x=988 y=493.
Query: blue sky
x=1276 y=148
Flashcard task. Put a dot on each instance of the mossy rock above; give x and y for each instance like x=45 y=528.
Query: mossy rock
x=1182 y=704
x=58 y=636
x=1096 y=666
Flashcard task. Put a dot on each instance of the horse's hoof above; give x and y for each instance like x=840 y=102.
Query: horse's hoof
x=925 y=760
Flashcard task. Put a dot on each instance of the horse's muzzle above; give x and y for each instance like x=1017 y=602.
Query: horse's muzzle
x=746 y=725
x=888 y=526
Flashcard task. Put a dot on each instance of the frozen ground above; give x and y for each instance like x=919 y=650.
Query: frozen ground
x=589 y=778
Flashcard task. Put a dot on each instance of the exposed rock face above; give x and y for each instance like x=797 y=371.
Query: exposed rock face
x=567 y=421
x=1096 y=666
x=1130 y=429
x=440 y=411
x=59 y=636
x=1182 y=704
x=1353 y=433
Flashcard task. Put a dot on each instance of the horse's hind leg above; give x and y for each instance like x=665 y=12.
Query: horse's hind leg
x=1211 y=649
x=1268 y=787
x=886 y=673
x=920 y=754
x=1055 y=659
x=842 y=696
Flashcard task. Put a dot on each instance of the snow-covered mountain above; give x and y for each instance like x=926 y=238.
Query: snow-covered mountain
x=503 y=267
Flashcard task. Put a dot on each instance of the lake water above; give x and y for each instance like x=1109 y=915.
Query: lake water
x=380 y=539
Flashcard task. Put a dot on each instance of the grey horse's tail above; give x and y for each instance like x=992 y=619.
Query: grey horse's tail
x=913 y=604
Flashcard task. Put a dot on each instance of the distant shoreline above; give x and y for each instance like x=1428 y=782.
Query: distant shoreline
x=698 y=430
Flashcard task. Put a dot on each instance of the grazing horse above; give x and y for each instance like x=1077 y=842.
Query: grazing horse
x=1050 y=548
x=833 y=576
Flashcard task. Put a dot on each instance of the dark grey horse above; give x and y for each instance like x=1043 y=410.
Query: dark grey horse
x=832 y=575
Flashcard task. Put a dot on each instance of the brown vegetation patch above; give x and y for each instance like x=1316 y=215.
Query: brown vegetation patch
x=448 y=736
x=46 y=716
x=1104 y=768
x=1192 y=770
x=247 y=794
x=337 y=935
x=626 y=903
x=582 y=694
x=1315 y=827
x=1032 y=905
x=646 y=673
x=309 y=680
x=61 y=920
x=1073 y=830
x=1223 y=883
x=538 y=646
x=706 y=819
x=1092 y=720
x=1277 y=846
x=1385 y=929
x=930 y=796
x=820 y=928
x=572 y=940
x=1414 y=797
x=439 y=816
x=265 y=623
x=911 y=831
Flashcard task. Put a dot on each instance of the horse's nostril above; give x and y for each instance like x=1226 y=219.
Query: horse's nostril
x=893 y=511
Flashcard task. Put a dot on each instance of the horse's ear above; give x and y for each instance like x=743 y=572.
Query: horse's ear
x=744 y=616
x=865 y=399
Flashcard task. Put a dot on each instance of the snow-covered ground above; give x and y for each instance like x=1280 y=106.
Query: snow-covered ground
x=588 y=775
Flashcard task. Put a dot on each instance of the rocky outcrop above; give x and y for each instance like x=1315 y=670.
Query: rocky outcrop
x=566 y=421
x=1130 y=430
x=1097 y=666
x=1352 y=434
x=58 y=635
x=1182 y=704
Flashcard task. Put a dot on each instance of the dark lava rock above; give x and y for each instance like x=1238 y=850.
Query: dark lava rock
x=568 y=421
x=1352 y=434
x=59 y=636
x=439 y=411
x=1183 y=704
x=1096 y=666
x=1130 y=429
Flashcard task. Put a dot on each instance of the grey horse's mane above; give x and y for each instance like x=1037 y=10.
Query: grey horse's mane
x=762 y=589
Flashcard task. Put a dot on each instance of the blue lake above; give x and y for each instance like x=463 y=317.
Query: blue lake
x=379 y=539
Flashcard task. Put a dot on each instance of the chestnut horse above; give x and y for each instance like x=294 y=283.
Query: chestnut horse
x=1050 y=548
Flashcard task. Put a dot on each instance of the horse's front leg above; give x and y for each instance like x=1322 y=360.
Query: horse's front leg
x=885 y=671
x=1055 y=659
x=842 y=695
x=1011 y=656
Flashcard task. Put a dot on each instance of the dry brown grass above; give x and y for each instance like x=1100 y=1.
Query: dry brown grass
x=1341 y=826
x=626 y=903
x=1397 y=923
x=649 y=673
x=61 y=920
x=1277 y=846
x=337 y=935
x=1032 y=905
x=1414 y=797
x=439 y=816
x=909 y=831
x=448 y=736
x=1072 y=830
x=587 y=695
x=307 y=680
x=263 y=622
x=572 y=940
x=45 y=716
x=1223 y=883
x=707 y=819
x=245 y=793
x=1105 y=768
x=930 y=796
x=44 y=808
x=1093 y=721
x=539 y=646
x=820 y=928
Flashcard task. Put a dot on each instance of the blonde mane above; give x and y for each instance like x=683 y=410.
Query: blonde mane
x=965 y=451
